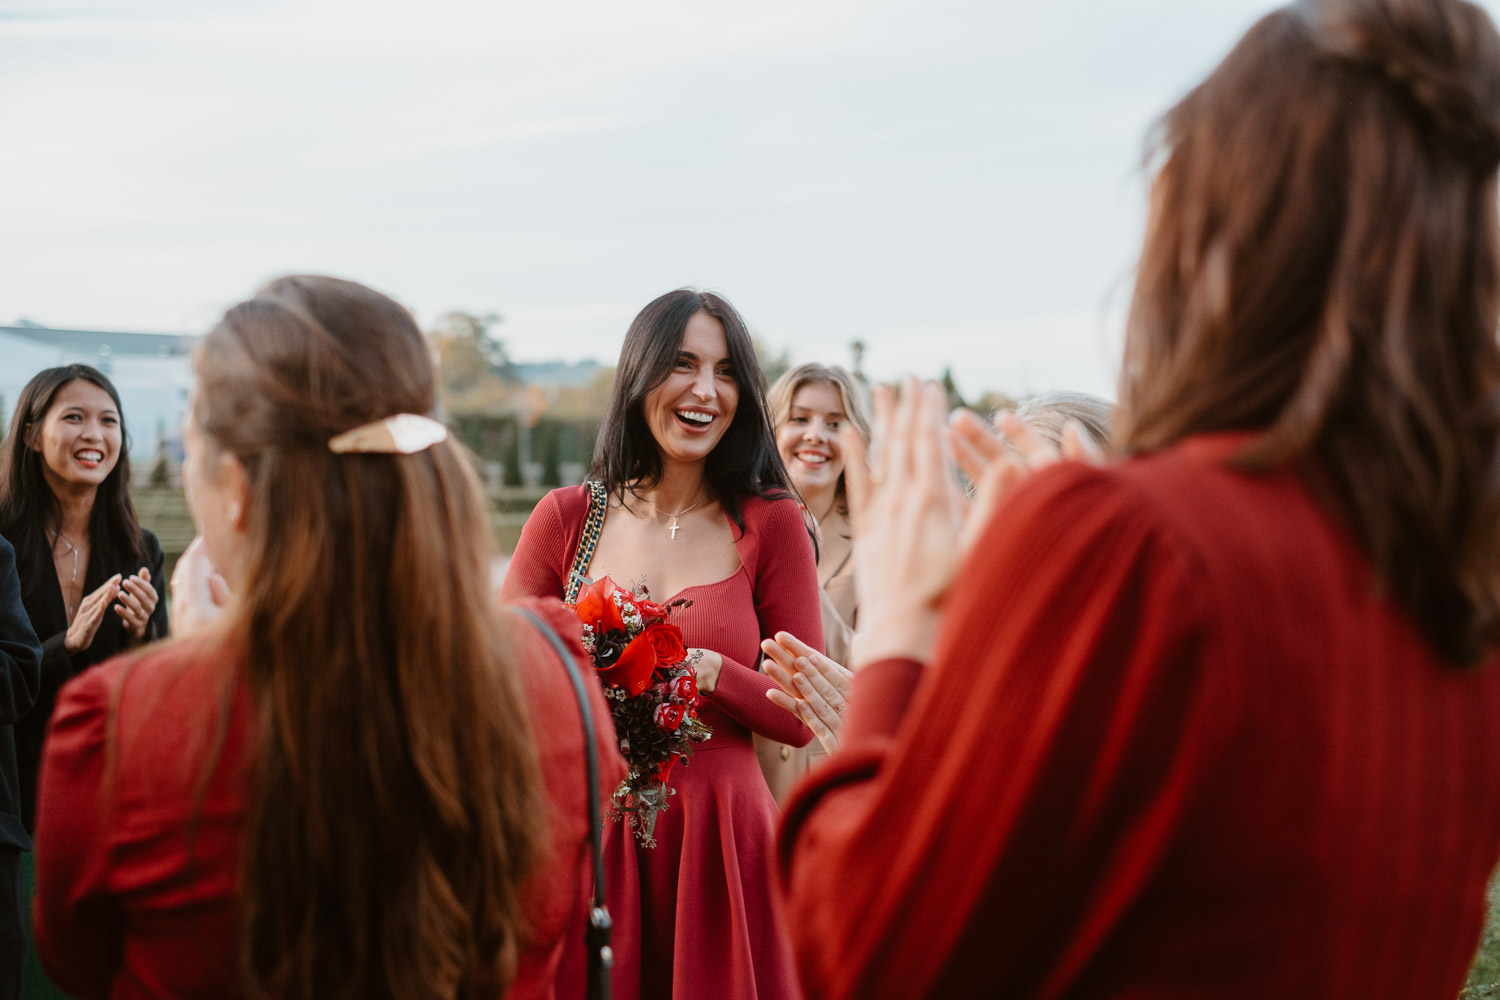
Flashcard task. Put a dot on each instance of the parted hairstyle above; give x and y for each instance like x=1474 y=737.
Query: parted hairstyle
x=744 y=463
x=851 y=397
x=1320 y=267
x=29 y=508
x=394 y=805
x=1048 y=413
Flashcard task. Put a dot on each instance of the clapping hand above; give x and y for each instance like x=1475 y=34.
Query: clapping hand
x=813 y=688
x=909 y=516
x=137 y=603
x=90 y=613
x=199 y=593
x=998 y=459
x=913 y=524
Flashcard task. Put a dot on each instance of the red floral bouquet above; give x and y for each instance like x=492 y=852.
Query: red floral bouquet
x=652 y=688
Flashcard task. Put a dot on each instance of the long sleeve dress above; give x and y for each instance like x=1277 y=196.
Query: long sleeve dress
x=695 y=916
x=1172 y=743
x=127 y=908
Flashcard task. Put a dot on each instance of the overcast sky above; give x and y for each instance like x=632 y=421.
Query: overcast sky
x=955 y=183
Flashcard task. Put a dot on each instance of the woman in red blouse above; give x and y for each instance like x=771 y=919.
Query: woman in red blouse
x=698 y=508
x=334 y=789
x=1217 y=720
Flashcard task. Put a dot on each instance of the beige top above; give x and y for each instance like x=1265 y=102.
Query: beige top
x=836 y=569
x=783 y=765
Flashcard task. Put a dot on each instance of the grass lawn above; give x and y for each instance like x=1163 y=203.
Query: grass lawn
x=1484 y=976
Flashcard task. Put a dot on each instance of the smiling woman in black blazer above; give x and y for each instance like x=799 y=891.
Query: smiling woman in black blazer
x=88 y=571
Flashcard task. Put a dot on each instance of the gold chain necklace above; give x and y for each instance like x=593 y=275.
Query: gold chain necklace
x=674 y=526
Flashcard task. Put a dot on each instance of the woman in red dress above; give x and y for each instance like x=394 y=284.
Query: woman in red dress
x=1217 y=720
x=333 y=788
x=698 y=508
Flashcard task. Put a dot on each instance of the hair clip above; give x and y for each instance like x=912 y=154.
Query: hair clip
x=403 y=434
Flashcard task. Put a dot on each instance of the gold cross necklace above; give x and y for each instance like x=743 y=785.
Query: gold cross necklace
x=674 y=526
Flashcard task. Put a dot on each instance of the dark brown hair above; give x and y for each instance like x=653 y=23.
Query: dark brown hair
x=1320 y=267
x=744 y=463
x=394 y=805
x=28 y=507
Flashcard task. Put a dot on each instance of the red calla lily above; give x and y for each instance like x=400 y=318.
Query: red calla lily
x=633 y=670
x=596 y=606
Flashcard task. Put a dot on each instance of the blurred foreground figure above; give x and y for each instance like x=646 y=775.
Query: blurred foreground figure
x=20 y=677
x=1217 y=720
x=332 y=787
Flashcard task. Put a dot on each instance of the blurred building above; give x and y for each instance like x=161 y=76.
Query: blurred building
x=151 y=370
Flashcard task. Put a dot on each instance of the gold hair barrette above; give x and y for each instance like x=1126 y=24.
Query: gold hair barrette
x=403 y=434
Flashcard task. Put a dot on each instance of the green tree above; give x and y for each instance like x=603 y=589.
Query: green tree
x=469 y=352
x=773 y=365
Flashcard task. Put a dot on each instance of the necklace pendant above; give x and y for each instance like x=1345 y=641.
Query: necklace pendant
x=673 y=529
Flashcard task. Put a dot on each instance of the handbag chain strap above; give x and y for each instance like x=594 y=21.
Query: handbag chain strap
x=593 y=523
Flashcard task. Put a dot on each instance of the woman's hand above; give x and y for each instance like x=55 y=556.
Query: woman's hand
x=137 y=603
x=707 y=669
x=90 y=613
x=199 y=593
x=813 y=688
x=908 y=518
x=998 y=461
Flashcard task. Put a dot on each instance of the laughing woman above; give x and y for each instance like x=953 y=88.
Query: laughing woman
x=89 y=571
x=698 y=506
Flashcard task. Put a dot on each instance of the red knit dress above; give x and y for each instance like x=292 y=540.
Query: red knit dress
x=695 y=916
x=1173 y=743
x=126 y=908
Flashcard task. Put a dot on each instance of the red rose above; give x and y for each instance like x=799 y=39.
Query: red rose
x=596 y=606
x=650 y=610
x=666 y=768
x=633 y=670
x=666 y=640
x=669 y=716
x=684 y=688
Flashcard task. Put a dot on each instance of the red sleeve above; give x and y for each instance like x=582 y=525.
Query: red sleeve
x=786 y=600
x=79 y=929
x=542 y=554
x=554 y=897
x=612 y=766
x=1016 y=795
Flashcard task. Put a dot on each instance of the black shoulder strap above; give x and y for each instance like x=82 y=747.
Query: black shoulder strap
x=597 y=932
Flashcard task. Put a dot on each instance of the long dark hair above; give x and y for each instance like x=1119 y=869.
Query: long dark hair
x=1321 y=267
x=395 y=802
x=28 y=507
x=744 y=463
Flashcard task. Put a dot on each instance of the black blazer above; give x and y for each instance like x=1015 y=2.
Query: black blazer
x=49 y=617
x=20 y=678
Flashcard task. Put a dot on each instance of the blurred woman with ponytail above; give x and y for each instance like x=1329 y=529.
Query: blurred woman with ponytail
x=1235 y=693
x=332 y=788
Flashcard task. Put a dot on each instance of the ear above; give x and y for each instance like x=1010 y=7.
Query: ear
x=236 y=480
x=33 y=441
